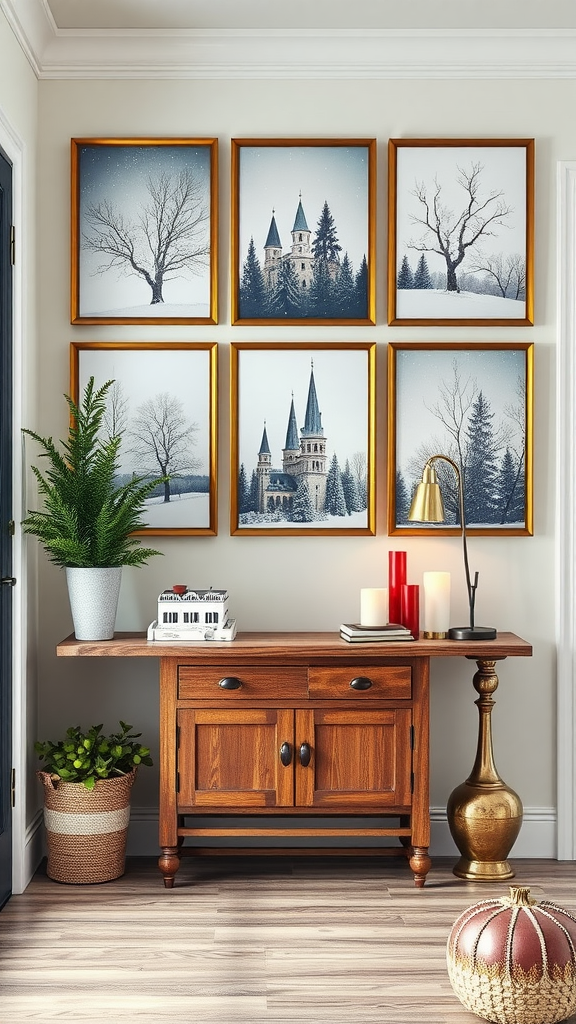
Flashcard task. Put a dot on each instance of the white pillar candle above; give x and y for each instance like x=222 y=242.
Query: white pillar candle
x=436 y=604
x=374 y=606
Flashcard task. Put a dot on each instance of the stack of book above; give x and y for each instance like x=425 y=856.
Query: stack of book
x=356 y=634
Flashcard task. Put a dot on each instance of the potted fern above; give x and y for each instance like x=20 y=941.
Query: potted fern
x=88 y=520
x=87 y=779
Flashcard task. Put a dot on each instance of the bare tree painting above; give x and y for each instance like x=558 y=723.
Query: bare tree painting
x=145 y=231
x=162 y=436
x=462 y=216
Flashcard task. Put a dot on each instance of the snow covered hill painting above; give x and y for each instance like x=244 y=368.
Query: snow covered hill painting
x=461 y=231
x=472 y=403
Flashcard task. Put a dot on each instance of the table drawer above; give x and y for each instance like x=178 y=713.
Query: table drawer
x=247 y=683
x=390 y=682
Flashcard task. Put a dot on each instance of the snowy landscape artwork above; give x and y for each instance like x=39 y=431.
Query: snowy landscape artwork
x=461 y=231
x=144 y=220
x=302 y=458
x=304 y=230
x=472 y=403
x=162 y=402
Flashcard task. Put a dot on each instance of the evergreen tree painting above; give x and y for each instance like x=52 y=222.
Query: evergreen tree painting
x=481 y=464
x=253 y=293
x=335 y=501
x=509 y=494
x=422 y=276
x=302 y=510
x=402 y=499
x=286 y=299
x=243 y=491
x=361 y=288
x=351 y=493
x=405 y=275
x=326 y=246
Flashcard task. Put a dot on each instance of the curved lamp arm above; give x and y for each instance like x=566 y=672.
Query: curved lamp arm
x=429 y=479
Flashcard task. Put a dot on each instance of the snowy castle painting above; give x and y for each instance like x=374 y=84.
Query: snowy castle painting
x=307 y=485
x=305 y=232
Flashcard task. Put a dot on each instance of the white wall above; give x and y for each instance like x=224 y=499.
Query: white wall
x=18 y=134
x=314 y=583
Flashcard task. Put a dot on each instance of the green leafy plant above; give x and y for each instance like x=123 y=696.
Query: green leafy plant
x=88 y=756
x=88 y=520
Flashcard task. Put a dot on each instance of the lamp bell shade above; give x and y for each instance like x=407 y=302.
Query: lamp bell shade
x=427 y=505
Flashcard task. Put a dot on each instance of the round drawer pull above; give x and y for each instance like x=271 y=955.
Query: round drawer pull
x=230 y=683
x=361 y=683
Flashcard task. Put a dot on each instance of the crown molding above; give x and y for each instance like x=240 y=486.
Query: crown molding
x=287 y=53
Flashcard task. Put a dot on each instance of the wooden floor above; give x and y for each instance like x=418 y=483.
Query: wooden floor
x=277 y=939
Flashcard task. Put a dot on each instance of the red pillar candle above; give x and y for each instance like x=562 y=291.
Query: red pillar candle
x=410 y=607
x=396 y=577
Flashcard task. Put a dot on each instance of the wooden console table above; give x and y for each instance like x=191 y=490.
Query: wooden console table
x=298 y=725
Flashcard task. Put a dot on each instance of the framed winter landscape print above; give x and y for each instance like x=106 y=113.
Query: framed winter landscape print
x=303 y=231
x=474 y=404
x=461 y=232
x=144 y=231
x=163 y=403
x=302 y=446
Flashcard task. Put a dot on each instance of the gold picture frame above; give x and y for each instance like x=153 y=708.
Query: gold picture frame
x=461 y=232
x=160 y=385
x=472 y=402
x=144 y=231
x=303 y=231
x=311 y=408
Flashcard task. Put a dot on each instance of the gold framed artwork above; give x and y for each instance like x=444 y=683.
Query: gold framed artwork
x=303 y=231
x=144 y=231
x=163 y=402
x=461 y=232
x=303 y=437
x=473 y=403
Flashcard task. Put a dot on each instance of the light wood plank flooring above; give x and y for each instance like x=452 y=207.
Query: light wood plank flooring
x=320 y=940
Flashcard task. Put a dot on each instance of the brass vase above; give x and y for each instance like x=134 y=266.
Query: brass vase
x=484 y=814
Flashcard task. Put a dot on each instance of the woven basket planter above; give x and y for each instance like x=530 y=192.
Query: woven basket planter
x=86 y=829
x=513 y=960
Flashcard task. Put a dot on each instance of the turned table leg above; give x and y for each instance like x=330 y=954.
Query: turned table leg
x=484 y=814
x=169 y=862
x=420 y=863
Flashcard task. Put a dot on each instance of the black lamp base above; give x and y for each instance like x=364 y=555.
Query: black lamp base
x=472 y=633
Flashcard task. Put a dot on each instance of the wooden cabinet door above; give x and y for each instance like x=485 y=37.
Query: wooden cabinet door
x=358 y=758
x=229 y=758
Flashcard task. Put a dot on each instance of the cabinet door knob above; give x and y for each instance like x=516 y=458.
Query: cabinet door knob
x=361 y=683
x=230 y=683
x=305 y=754
x=286 y=754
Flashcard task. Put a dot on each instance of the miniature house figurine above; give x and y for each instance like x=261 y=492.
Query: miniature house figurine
x=192 y=615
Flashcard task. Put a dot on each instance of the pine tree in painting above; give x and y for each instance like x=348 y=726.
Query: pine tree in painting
x=405 y=275
x=402 y=499
x=351 y=494
x=243 y=491
x=510 y=506
x=346 y=292
x=326 y=246
x=322 y=292
x=361 y=289
x=253 y=294
x=285 y=301
x=481 y=464
x=253 y=499
x=422 y=276
x=302 y=510
x=335 y=502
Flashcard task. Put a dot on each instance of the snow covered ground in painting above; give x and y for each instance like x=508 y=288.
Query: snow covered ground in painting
x=430 y=304
x=355 y=521
x=158 y=309
x=181 y=512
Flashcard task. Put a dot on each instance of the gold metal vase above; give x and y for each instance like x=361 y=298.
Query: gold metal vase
x=484 y=814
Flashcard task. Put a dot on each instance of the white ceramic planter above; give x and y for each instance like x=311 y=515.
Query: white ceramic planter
x=93 y=595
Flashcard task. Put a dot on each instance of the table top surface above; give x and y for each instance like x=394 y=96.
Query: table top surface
x=293 y=646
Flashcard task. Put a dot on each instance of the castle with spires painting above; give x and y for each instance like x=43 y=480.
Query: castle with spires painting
x=303 y=458
x=303 y=231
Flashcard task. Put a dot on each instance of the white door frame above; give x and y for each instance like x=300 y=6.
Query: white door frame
x=566 y=512
x=21 y=860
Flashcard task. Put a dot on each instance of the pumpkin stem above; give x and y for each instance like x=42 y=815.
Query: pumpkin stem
x=519 y=897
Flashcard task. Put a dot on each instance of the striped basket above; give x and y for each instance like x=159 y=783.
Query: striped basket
x=86 y=829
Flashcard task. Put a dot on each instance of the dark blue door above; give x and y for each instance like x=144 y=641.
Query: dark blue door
x=6 y=528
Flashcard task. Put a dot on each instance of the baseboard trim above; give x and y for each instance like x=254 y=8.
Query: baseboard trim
x=33 y=851
x=537 y=836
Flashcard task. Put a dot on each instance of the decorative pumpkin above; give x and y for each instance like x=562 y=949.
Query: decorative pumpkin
x=513 y=960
